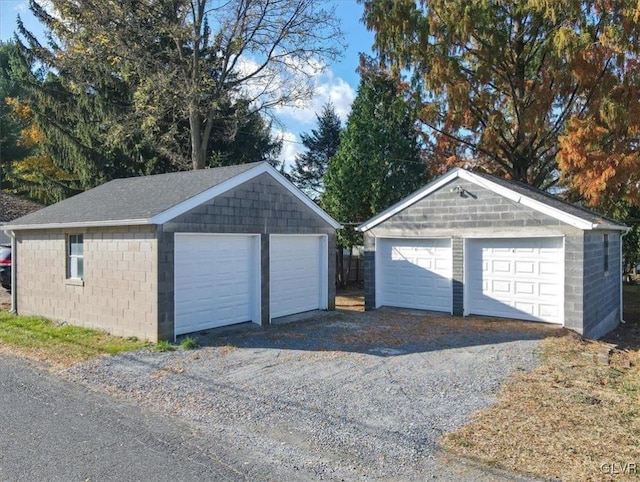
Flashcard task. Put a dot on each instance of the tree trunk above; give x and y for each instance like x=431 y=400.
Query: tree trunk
x=198 y=155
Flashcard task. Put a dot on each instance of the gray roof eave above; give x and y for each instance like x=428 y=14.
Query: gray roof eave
x=81 y=224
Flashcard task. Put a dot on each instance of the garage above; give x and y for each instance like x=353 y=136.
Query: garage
x=515 y=278
x=170 y=254
x=216 y=281
x=477 y=244
x=414 y=273
x=298 y=274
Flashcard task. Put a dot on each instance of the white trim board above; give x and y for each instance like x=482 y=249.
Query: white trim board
x=458 y=173
x=82 y=224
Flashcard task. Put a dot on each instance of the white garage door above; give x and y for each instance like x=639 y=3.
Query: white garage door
x=216 y=281
x=515 y=278
x=297 y=274
x=414 y=273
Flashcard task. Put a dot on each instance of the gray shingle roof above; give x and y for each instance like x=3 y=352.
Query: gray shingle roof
x=554 y=206
x=132 y=198
x=12 y=207
x=551 y=200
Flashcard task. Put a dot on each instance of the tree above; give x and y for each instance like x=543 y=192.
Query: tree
x=10 y=125
x=500 y=81
x=379 y=159
x=34 y=174
x=24 y=168
x=242 y=136
x=321 y=145
x=600 y=155
x=630 y=215
x=187 y=58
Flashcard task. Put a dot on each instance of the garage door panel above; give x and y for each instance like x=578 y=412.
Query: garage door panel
x=414 y=273
x=525 y=288
x=214 y=281
x=516 y=278
x=549 y=268
x=501 y=287
x=296 y=282
x=525 y=267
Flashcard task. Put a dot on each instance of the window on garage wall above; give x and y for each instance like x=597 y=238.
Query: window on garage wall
x=605 y=243
x=75 y=256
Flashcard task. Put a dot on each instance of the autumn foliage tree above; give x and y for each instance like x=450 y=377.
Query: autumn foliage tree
x=600 y=154
x=501 y=82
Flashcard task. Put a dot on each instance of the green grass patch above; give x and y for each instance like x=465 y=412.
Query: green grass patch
x=189 y=344
x=164 y=345
x=56 y=343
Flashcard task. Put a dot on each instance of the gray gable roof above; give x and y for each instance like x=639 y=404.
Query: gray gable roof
x=551 y=200
x=519 y=192
x=12 y=207
x=133 y=198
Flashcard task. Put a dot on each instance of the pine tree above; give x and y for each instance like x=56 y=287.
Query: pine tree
x=379 y=159
x=11 y=125
x=321 y=146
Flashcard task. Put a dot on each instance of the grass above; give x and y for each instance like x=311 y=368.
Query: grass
x=569 y=416
x=57 y=344
x=164 y=345
x=189 y=344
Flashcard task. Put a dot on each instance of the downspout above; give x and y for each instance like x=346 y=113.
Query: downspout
x=621 y=278
x=14 y=262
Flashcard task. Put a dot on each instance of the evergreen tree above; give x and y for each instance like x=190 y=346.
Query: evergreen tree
x=11 y=125
x=242 y=135
x=321 y=146
x=379 y=159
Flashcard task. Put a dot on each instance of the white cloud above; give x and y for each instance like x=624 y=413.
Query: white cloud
x=322 y=84
x=22 y=7
x=327 y=88
x=291 y=147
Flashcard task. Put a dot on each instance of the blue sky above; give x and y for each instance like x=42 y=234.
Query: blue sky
x=338 y=84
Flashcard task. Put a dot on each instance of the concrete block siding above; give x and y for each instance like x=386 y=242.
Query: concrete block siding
x=478 y=213
x=261 y=206
x=601 y=288
x=128 y=282
x=119 y=289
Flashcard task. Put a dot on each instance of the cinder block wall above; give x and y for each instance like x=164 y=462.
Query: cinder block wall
x=119 y=289
x=261 y=206
x=478 y=213
x=601 y=288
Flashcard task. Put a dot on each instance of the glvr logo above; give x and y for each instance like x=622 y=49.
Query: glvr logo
x=616 y=468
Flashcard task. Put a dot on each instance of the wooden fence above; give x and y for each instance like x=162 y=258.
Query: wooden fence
x=355 y=274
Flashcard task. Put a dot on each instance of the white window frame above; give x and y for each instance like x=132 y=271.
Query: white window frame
x=73 y=239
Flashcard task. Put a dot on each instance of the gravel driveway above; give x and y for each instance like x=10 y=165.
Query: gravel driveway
x=343 y=396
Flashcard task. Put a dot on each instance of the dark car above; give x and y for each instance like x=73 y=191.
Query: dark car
x=5 y=267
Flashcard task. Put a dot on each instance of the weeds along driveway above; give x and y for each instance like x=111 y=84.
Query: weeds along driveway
x=343 y=396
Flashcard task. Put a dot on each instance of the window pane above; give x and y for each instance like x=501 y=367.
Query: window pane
x=80 y=267
x=73 y=268
x=75 y=245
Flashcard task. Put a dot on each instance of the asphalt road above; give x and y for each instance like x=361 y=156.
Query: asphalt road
x=54 y=430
